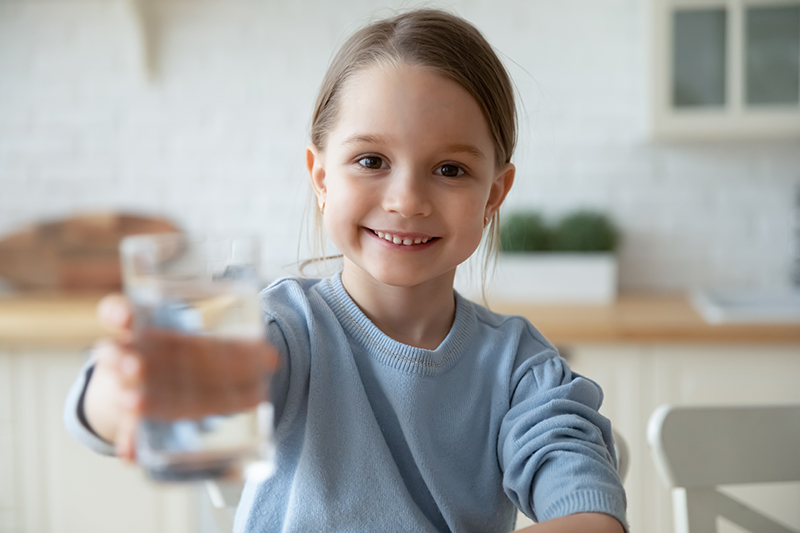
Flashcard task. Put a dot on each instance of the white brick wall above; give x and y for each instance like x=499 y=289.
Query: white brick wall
x=217 y=140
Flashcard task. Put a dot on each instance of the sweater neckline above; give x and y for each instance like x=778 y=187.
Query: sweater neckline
x=387 y=350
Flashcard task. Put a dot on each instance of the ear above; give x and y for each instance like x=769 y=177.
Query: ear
x=500 y=186
x=316 y=171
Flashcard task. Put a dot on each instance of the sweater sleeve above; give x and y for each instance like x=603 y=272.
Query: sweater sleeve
x=556 y=450
x=75 y=419
x=279 y=384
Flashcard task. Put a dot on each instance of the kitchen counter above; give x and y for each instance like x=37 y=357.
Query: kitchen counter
x=69 y=320
x=652 y=318
x=41 y=320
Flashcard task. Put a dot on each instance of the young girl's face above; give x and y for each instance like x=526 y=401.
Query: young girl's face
x=408 y=176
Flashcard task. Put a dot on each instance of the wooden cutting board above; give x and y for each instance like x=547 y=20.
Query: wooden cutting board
x=80 y=252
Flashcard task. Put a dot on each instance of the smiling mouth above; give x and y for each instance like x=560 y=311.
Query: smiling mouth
x=405 y=241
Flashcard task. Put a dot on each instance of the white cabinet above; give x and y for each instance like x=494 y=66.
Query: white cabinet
x=49 y=483
x=725 y=69
x=638 y=378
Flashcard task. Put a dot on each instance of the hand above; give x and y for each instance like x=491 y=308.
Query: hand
x=166 y=375
x=105 y=403
x=172 y=375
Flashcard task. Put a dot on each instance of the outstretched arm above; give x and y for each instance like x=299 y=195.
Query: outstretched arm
x=578 y=523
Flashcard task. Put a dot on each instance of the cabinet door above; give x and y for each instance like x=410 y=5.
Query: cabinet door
x=57 y=484
x=618 y=370
x=8 y=497
x=637 y=379
x=732 y=375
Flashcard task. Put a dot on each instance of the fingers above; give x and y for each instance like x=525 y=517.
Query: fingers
x=171 y=375
x=125 y=445
x=117 y=378
x=114 y=313
x=168 y=376
x=122 y=361
x=169 y=405
x=201 y=362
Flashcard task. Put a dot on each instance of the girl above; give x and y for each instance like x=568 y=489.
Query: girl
x=400 y=405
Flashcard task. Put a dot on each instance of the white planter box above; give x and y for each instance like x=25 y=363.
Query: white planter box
x=555 y=277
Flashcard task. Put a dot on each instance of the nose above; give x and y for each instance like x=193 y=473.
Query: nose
x=407 y=194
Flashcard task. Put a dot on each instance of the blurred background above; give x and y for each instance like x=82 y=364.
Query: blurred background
x=199 y=111
x=678 y=120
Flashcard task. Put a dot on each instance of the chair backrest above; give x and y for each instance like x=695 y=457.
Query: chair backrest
x=695 y=449
x=622 y=453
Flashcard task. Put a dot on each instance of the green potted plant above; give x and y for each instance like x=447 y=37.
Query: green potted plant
x=571 y=259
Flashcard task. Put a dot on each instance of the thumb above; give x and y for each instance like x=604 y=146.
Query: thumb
x=125 y=444
x=114 y=312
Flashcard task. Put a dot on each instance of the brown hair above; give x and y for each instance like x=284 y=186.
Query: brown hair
x=445 y=43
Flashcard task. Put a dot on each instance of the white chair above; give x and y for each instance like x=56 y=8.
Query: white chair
x=224 y=498
x=697 y=449
x=622 y=453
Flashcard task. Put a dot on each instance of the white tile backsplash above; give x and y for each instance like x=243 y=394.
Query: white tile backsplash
x=217 y=140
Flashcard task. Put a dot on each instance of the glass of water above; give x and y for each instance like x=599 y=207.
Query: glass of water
x=199 y=286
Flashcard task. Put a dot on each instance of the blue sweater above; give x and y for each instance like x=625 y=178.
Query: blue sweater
x=376 y=435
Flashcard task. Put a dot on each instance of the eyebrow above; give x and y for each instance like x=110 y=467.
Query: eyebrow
x=466 y=149
x=366 y=138
x=369 y=138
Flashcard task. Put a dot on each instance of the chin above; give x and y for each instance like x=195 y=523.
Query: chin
x=398 y=280
x=405 y=279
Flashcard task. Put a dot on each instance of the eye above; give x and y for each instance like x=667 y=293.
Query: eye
x=451 y=171
x=371 y=162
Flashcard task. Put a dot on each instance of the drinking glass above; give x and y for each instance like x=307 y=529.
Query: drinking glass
x=206 y=286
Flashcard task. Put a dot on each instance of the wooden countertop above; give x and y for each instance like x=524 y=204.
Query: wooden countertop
x=69 y=321
x=643 y=318
x=43 y=320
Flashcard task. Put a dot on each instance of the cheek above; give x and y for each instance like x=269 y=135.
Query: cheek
x=473 y=219
x=332 y=221
x=336 y=205
x=470 y=221
x=472 y=211
x=340 y=221
x=477 y=234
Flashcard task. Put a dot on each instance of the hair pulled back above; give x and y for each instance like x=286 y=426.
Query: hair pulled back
x=447 y=45
x=433 y=39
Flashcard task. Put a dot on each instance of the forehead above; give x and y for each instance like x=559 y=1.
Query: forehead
x=410 y=103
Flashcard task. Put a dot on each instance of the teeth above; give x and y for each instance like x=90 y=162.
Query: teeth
x=397 y=240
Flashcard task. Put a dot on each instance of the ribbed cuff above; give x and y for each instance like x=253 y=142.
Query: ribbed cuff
x=75 y=420
x=588 y=502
